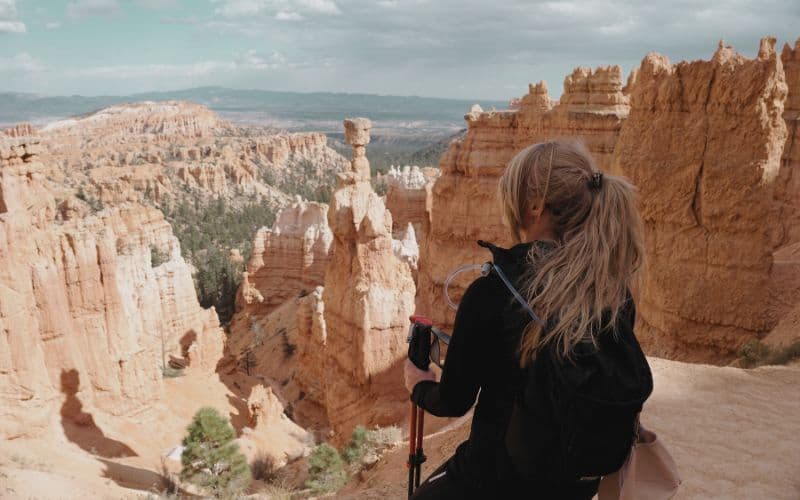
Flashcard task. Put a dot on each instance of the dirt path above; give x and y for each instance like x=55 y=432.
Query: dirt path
x=734 y=433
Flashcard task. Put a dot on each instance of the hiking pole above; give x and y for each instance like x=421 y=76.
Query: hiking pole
x=412 y=450
x=419 y=352
x=420 y=456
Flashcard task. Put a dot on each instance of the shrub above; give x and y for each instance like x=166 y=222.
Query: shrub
x=170 y=372
x=355 y=449
x=756 y=353
x=211 y=458
x=157 y=257
x=326 y=470
x=264 y=468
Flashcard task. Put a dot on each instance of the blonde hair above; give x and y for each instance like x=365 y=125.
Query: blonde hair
x=599 y=243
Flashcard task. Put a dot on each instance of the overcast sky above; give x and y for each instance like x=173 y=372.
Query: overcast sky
x=444 y=48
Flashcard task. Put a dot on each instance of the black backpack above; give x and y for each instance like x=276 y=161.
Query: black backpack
x=576 y=420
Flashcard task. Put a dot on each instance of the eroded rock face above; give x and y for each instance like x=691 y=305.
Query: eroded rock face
x=84 y=311
x=162 y=118
x=408 y=196
x=21 y=130
x=369 y=295
x=289 y=259
x=463 y=206
x=787 y=186
x=157 y=151
x=703 y=144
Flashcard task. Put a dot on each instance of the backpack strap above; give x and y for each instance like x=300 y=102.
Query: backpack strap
x=494 y=267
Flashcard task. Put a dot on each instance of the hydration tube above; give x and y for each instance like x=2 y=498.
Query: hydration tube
x=485 y=269
x=469 y=267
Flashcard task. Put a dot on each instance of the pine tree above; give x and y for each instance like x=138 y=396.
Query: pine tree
x=211 y=458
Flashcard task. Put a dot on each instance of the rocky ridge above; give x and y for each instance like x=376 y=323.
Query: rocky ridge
x=85 y=310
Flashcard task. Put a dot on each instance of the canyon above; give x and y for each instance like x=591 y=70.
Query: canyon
x=99 y=311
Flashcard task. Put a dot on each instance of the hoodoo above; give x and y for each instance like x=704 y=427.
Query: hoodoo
x=369 y=295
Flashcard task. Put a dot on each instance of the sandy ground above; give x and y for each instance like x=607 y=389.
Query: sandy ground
x=69 y=462
x=734 y=433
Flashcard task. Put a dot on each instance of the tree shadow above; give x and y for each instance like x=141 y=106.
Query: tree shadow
x=79 y=426
x=141 y=479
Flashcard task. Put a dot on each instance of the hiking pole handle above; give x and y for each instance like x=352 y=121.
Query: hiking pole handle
x=419 y=342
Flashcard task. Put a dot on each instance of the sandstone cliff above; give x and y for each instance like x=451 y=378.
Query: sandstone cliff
x=85 y=312
x=167 y=118
x=154 y=152
x=463 y=208
x=369 y=295
x=408 y=196
x=703 y=144
x=288 y=259
x=787 y=186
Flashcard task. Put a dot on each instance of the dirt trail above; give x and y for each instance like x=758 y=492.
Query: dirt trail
x=734 y=433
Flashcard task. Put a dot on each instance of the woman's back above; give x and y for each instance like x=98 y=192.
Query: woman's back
x=530 y=431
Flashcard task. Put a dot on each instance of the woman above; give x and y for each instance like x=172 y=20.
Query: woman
x=579 y=248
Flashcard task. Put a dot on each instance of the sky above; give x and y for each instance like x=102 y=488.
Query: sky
x=464 y=49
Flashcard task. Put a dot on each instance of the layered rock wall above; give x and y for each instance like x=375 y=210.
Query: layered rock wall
x=408 y=196
x=80 y=295
x=703 y=145
x=787 y=187
x=463 y=207
x=287 y=260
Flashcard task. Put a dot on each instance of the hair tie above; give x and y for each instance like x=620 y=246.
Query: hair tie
x=596 y=181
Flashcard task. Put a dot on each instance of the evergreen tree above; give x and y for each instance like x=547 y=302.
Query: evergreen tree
x=211 y=458
x=325 y=469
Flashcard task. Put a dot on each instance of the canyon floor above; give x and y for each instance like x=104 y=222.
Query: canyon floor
x=733 y=433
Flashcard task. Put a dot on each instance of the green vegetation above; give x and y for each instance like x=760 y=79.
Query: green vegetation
x=207 y=233
x=304 y=178
x=170 y=372
x=211 y=458
x=756 y=353
x=95 y=205
x=157 y=257
x=355 y=449
x=326 y=470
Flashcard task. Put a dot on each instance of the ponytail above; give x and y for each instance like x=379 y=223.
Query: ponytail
x=600 y=244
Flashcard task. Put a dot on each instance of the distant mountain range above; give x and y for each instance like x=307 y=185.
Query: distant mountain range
x=289 y=110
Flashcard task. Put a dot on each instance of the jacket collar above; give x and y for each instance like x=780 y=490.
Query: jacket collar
x=515 y=255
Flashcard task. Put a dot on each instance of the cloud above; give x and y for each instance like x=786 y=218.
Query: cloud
x=52 y=25
x=240 y=8
x=322 y=6
x=81 y=9
x=282 y=10
x=20 y=63
x=158 y=4
x=288 y=16
x=8 y=18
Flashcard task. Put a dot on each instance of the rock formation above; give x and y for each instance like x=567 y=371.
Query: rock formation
x=21 y=130
x=703 y=145
x=166 y=118
x=408 y=196
x=369 y=295
x=787 y=186
x=154 y=151
x=463 y=209
x=80 y=295
x=289 y=259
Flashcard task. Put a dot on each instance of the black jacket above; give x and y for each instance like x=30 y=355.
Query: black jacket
x=483 y=356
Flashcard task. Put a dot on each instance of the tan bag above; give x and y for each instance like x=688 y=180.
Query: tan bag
x=649 y=473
